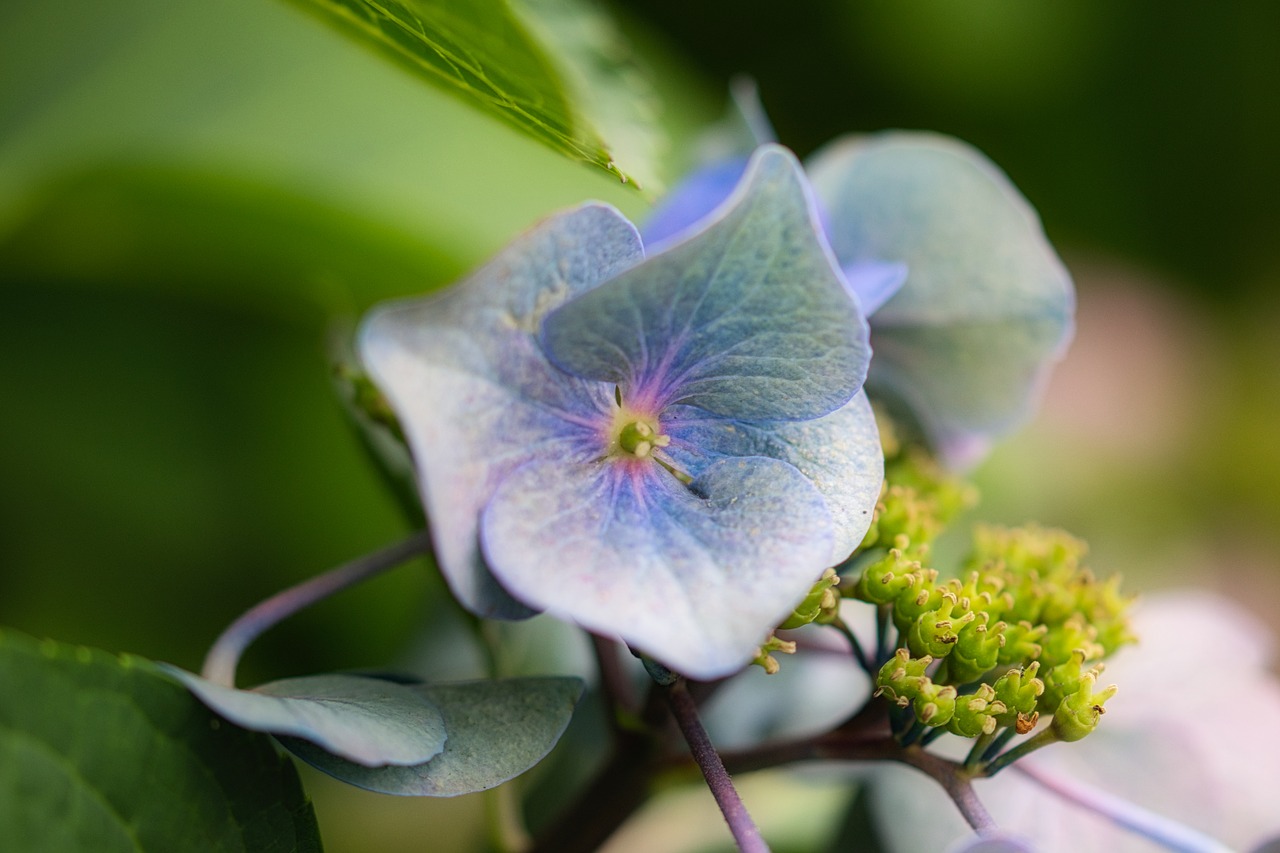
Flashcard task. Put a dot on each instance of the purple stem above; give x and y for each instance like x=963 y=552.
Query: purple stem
x=1157 y=828
x=220 y=663
x=745 y=832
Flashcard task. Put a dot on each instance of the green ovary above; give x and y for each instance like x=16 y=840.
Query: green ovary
x=638 y=438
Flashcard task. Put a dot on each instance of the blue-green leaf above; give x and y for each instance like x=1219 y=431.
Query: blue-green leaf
x=365 y=720
x=104 y=753
x=497 y=730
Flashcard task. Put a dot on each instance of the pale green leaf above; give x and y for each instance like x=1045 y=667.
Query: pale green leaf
x=496 y=731
x=365 y=720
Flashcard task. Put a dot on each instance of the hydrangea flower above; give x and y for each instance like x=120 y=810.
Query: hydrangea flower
x=667 y=449
x=969 y=304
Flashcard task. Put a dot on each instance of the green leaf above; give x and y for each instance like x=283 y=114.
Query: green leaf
x=366 y=720
x=483 y=51
x=497 y=730
x=104 y=753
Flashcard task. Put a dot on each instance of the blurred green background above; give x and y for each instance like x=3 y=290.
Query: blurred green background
x=194 y=201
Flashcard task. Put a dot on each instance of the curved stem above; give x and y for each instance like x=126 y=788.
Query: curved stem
x=1158 y=828
x=871 y=745
x=1040 y=739
x=745 y=832
x=220 y=663
x=859 y=654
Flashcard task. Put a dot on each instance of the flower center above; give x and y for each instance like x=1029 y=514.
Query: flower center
x=639 y=437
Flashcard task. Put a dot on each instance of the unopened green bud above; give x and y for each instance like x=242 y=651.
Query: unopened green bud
x=1062 y=641
x=1079 y=712
x=921 y=595
x=1063 y=680
x=900 y=677
x=977 y=650
x=936 y=632
x=903 y=519
x=1020 y=691
x=765 y=660
x=983 y=593
x=976 y=713
x=884 y=580
x=1021 y=643
x=821 y=599
x=934 y=703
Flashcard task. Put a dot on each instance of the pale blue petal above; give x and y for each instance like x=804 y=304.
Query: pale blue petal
x=721 y=159
x=987 y=305
x=365 y=720
x=474 y=393
x=694 y=577
x=748 y=318
x=691 y=200
x=874 y=282
x=839 y=453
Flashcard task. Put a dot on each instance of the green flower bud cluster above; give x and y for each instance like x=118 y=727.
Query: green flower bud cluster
x=904 y=681
x=1043 y=574
x=1017 y=639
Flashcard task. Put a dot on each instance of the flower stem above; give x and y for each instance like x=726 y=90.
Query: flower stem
x=1157 y=828
x=745 y=832
x=859 y=654
x=1004 y=759
x=220 y=664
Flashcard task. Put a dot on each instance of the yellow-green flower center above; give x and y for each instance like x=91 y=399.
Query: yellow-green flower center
x=639 y=437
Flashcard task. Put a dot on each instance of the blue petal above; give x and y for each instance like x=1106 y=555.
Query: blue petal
x=371 y=722
x=721 y=161
x=987 y=305
x=476 y=396
x=696 y=196
x=695 y=577
x=874 y=283
x=746 y=319
x=839 y=453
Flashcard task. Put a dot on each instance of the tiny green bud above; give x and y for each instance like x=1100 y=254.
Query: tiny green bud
x=1063 y=680
x=921 y=595
x=936 y=632
x=977 y=650
x=882 y=581
x=820 y=601
x=1061 y=641
x=976 y=713
x=934 y=703
x=1019 y=690
x=900 y=677
x=767 y=661
x=1020 y=643
x=1079 y=712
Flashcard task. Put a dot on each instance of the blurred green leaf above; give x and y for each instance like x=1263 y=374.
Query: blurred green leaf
x=482 y=50
x=103 y=753
x=496 y=731
x=248 y=147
